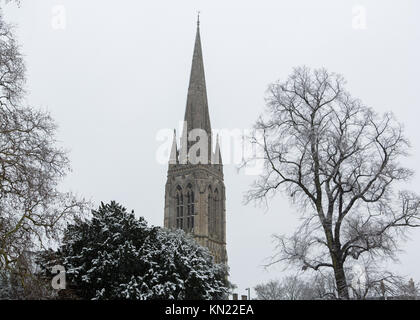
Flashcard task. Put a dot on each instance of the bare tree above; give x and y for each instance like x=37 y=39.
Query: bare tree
x=32 y=209
x=368 y=280
x=35 y=286
x=295 y=287
x=338 y=161
x=386 y=285
x=324 y=286
x=272 y=290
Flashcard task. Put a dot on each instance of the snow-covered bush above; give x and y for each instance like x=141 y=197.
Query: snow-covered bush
x=117 y=256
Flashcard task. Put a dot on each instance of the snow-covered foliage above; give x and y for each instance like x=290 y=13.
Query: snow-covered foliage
x=116 y=256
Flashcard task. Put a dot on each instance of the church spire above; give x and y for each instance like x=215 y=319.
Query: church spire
x=197 y=112
x=192 y=183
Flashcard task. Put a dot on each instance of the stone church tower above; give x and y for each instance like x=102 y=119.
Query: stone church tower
x=195 y=191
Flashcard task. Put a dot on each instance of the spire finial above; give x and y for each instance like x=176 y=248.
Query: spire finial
x=198 y=18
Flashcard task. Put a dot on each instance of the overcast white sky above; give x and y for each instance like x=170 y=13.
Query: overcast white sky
x=118 y=73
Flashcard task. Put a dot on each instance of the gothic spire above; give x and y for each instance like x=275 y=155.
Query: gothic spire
x=197 y=112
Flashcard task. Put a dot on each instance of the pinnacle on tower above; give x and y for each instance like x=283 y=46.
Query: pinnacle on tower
x=217 y=156
x=173 y=158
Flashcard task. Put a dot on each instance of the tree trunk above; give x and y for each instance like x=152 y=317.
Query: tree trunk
x=340 y=280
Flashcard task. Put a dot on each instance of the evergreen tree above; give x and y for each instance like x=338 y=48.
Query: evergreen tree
x=116 y=256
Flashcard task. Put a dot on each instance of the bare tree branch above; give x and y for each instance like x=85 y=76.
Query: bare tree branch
x=337 y=160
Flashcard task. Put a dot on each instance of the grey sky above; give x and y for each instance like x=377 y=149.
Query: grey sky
x=118 y=73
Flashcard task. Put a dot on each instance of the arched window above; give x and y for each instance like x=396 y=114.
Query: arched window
x=179 y=208
x=190 y=208
x=210 y=210
x=216 y=214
